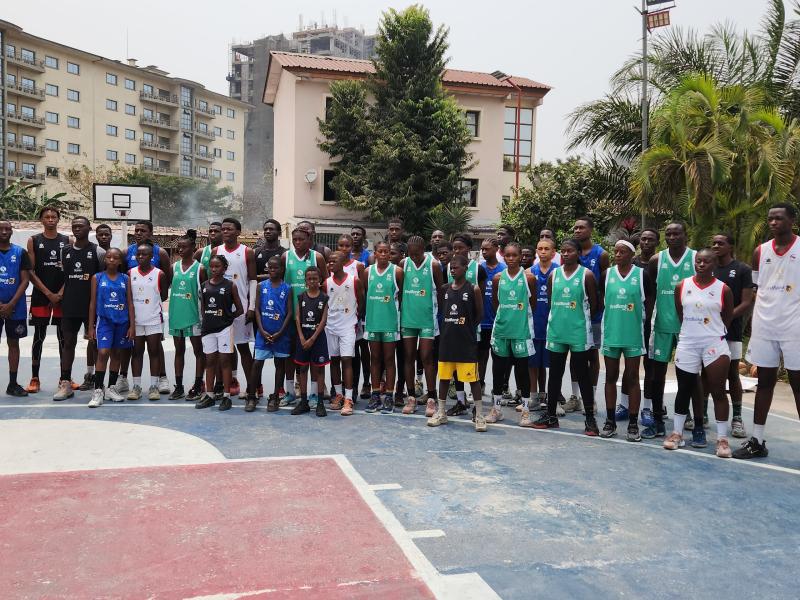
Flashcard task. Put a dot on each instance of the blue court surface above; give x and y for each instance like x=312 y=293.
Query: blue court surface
x=510 y=513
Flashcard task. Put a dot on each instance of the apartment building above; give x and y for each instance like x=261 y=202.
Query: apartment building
x=64 y=108
x=298 y=89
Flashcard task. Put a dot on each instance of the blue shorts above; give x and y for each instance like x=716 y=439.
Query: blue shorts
x=268 y=353
x=316 y=356
x=15 y=328
x=111 y=335
x=281 y=348
x=541 y=359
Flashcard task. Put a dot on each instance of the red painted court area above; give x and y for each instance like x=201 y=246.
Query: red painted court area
x=269 y=529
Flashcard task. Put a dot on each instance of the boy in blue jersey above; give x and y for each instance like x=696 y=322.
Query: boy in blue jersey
x=491 y=267
x=15 y=267
x=540 y=361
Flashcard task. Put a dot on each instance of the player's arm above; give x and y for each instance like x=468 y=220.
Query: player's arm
x=201 y=274
x=166 y=266
x=197 y=254
x=258 y=322
x=438 y=278
x=92 y=308
x=652 y=270
x=163 y=286
x=591 y=293
x=399 y=275
x=754 y=263
x=649 y=294
x=237 y=302
x=533 y=292
x=478 y=300
x=252 y=278
x=322 y=264
x=727 y=305
x=482 y=278
x=24 y=280
x=301 y=338
x=601 y=295
x=131 y=313
x=678 y=302
x=605 y=262
x=549 y=288
x=289 y=315
x=495 y=286
x=360 y=303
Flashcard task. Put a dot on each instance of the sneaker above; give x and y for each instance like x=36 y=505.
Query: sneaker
x=313 y=400
x=699 y=438
x=235 y=387
x=273 y=404
x=674 y=441
x=374 y=403
x=648 y=420
x=34 y=386
x=572 y=404
x=525 y=419
x=250 y=403
x=506 y=395
x=366 y=391
x=195 y=392
x=74 y=386
x=430 y=408
x=560 y=412
x=288 y=399
x=480 y=423
x=723 y=449
x=260 y=391
x=153 y=394
x=64 y=391
x=689 y=424
x=495 y=415
x=399 y=399
x=737 y=428
x=301 y=408
x=87 y=383
x=337 y=402
x=705 y=421
x=458 y=409
x=388 y=404
x=163 y=385
x=411 y=406
x=418 y=391
x=135 y=393
x=281 y=394
x=97 y=399
x=16 y=390
x=177 y=393
x=320 y=410
x=590 y=427
x=633 y=433
x=546 y=422
x=751 y=449
x=654 y=431
x=205 y=401
x=347 y=409
x=226 y=403
x=621 y=414
x=437 y=419
x=122 y=386
x=518 y=407
x=609 y=429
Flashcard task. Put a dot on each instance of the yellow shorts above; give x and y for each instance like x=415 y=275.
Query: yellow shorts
x=465 y=372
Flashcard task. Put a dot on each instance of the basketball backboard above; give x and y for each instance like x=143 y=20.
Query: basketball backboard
x=120 y=202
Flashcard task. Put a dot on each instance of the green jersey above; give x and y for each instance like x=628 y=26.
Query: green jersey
x=569 y=321
x=184 y=296
x=670 y=274
x=383 y=310
x=418 y=310
x=514 y=318
x=205 y=258
x=623 y=319
x=296 y=272
x=471 y=274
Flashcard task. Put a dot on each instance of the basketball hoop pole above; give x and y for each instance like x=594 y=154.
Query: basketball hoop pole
x=125 y=234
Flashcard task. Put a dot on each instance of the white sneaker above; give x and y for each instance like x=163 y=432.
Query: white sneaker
x=572 y=404
x=122 y=386
x=480 y=423
x=525 y=419
x=439 y=418
x=430 y=407
x=560 y=412
x=495 y=415
x=154 y=393
x=135 y=393
x=97 y=398
x=114 y=394
x=163 y=386
x=64 y=391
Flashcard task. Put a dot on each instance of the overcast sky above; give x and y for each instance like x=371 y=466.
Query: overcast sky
x=573 y=46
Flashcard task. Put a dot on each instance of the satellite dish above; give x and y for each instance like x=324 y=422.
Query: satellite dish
x=310 y=176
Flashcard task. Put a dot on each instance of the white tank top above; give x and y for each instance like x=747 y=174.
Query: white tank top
x=237 y=270
x=351 y=268
x=146 y=293
x=702 y=312
x=776 y=314
x=342 y=305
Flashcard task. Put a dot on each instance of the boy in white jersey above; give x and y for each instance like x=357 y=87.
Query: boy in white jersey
x=355 y=266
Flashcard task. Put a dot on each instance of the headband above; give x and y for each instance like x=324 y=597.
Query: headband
x=627 y=244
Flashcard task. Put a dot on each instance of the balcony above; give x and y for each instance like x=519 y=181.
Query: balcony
x=21 y=148
x=203 y=177
x=209 y=156
x=16 y=117
x=166 y=100
x=209 y=135
x=25 y=63
x=25 y=91
x=159 y=170
x=26 y=176
x=159 y=123
x=207 y=112
x=157 y=147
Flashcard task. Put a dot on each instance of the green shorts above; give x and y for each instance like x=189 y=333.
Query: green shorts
x=506 y=348
x=564 y=348
x=617 y=351
x=192 y=331
x=382 y=336
x=427 y=333
x=662 y=345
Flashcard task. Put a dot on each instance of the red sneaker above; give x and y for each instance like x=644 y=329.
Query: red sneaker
x=235 y=389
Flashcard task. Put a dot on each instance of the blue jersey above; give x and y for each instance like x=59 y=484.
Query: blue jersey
x=131 y=257
x=363 y=258
x=592 y=262
x=112 y=297
x=10 y=269
x=488 y=307
x=542 y=310
x=274 y=307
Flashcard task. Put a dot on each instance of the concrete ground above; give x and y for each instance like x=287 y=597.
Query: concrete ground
x=158 y=499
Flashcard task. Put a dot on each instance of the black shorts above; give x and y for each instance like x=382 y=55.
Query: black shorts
x=74 y=324
x=485 y=340
x=316 y=356
x=14 y=328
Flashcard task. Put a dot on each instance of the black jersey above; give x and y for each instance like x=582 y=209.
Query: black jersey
x=79 y=265
x=262 y=258
x=738 y=276
x=310 y=312
x=47 y=259
x=217 y=306
x=458 y=341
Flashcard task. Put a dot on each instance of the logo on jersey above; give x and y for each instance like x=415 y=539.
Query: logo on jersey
x=3 y=269
x=573 y=305
x=212 y=300
x=52 y=252
x=113 y=295
x=77 y=264
x=629 y=307
x=789 y=288
x=512 y=294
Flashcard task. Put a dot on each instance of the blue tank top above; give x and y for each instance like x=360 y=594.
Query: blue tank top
x=273 y=308
x=112 y=297
x=363 y=258
x=542 y=310
x=488 y=308
x=592 y=262
x=133 y=263
x=10 y=263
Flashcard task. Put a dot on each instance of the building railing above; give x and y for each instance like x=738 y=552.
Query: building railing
x=203 y=155
x=24 y=119
x=19 y=60
x=29 y=148
x=156 y=122
x=170 y=99
x=25 y=90
x=157 y=147
x=208 y=134
x=208 y=111
x=159 y=170
x=25 y=175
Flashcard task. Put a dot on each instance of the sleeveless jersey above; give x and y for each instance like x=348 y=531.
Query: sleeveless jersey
x=310 y=311
x=383 y=312
x=47 y=265
x=418 y=309
x=79 y=265
x=362 y=257
x=217 y=299
x=205 y=258
x=237 y=270
x=10 y=268
x=542 y=310
x=273 y=307
x=131 y=256
x=262 y=256
x=351 y=268
x=670 y=274
x=184 y=296
x=623 y=319
x=514 y=319
x=488 y=306
x=471 y=274
x=776 y=314
x=457 y=342
x=702 y=312
x=146 y=293
x=569 y=321
x=592 y=262
x=342 y=305
x=111 y=303
x=296 y=271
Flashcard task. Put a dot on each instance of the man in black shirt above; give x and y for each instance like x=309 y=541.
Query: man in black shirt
x=267 y=247
x=739 y=277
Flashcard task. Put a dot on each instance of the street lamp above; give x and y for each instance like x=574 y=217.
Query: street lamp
x=500 y=76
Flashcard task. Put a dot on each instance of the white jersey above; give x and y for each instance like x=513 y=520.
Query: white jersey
x=342 y=305
x=702 y=312
x=146 y=293
x=351 y=268
x=776 y=313
x=237 y=270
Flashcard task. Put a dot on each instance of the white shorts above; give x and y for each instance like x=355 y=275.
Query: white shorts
x=768 y=353
x=736 y=350
x=341 y=345
x=242 y=332
x=221 y=342
x=150 y=329
x=693 y=358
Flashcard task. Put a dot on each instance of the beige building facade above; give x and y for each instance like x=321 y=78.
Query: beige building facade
x=298 y=88
x=65 y=108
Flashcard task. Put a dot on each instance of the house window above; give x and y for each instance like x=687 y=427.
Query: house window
x=111 y=79
x=202 y=105
x=111 y=130
x=11 y=108
x=130 y=109
x=510 y=136
x=29 y=168
x=147 y=137
x=28 y=84
x=111 y=155
x=186 y=143
x=130 y=84
x=231 y=134
x=11 y=79
x=229 y=176
x=186 y=167
x=148 y=113
x=470 y=192
x=51 y=61
x=27 y=55
x=218 y=152
x=147 y=89
x=73 y=122
x=230 y=155
x=202 y=149
x=202 y=171
x=52 y=171
x=11 y=165
x=202 y=127
x=51 y=145
x=147 y=161
x=186 y=119
x=111 y=104
x=50 y=89
x=73 y=95
x=74 y=148
x=28 y=112
x=130 y=134
x=130 y=159
x=231 y=113
x=28 y=140
x=51 y=117
x=73 y=68
x=328 y=192
x=472 y=119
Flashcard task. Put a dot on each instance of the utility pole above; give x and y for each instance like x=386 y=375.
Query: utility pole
x=645 y=102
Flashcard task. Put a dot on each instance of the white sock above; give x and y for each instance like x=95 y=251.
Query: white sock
x=442 y=402
x=335 y=389
x=498 y=402
x=576 y=389
x=525 y=402
x=758 y=433
x=312 y=388
x=679 y=422
x=461 y=397
x=137 y=381
x=722 y=429
x=623 y=399
x=234 y=373
x=647 y=403
x=154 y=380
x=90 y=370
x=348 y=394
x=288 y=385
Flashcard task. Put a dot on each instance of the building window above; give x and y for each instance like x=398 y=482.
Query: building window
x=28 y=112
x=229 y=176
x=111 y=130
x=73 y=95
x=203 y=105
x=202 y=149
x=510 y=137
x=73 y=122
x=29 y=168
x=111 y=79
x=469 y=194
x=217 y=109
x=73 y=68
x=328 y=192
x=52 y=171
x=27 y=55
x=186 y=167
x=202 y=127
x=111 y=155
x=231 y=113
x=50 y=89
x=11 y=137
x=28 y=84
x=51 y=145
x=230 y=155
x=147 y=89
x=74 y=148
x=472 y=119
x=130 y=159
x=11 y=79
x=231 y=134
x=216 y=173
x=51 y=61
x=186 y=120
x=130 y=84
x=111 y=104
x=147 y=161
x=148 y=113
x=130 y=109
x=11 y=165
x=130 y=134
x=186 y=143
x=51 y=117
x=28 y=140
x=218 y=131
x=202 y=171
x=218 y=152
x=11 y=108
x=147 y=137
x=186 y=96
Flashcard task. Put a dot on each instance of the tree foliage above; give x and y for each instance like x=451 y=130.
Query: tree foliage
x=20 y=202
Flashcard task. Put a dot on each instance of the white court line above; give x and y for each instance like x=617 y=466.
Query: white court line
x=385 y=487
x=426 y=533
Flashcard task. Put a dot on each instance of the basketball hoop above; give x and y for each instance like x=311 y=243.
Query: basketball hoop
x=121 y=213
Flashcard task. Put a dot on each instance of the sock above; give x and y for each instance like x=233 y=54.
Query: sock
x=154 y=380
x=336 y=389
x=12 y=378
x=35 y=370
x=758 y=433
x=112 y=378
x=443 y=405
x=179 y=380
x=137 y=381
x=576 y=389
x=461 y=397
x=498 y=401
x=99 y=378
x=647 y=403
x=90 y=370
x=623 y=400
x=722 y=429
x=348 y=394
x=312 y=388
x=198 y=381
x=478 y=404
x=679 y=422
x=633 y=419
x=288 y=385
x=525 y=402
x=234 y=373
